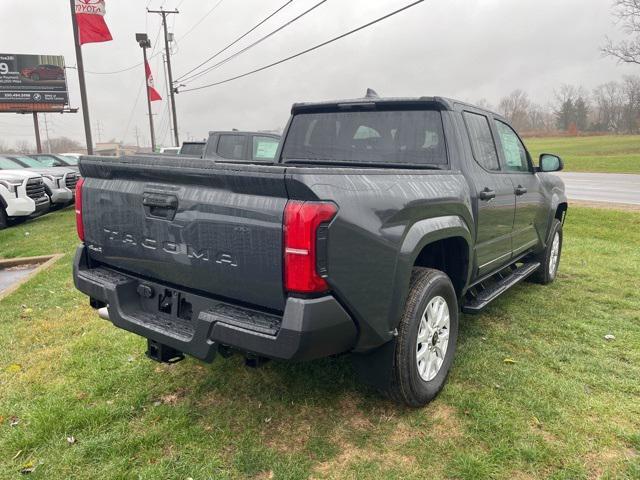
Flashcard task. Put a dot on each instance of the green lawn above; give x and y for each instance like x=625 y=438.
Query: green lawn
x=606 y=154
x=568 y=408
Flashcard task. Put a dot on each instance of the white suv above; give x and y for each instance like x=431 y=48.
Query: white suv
x=21 y=194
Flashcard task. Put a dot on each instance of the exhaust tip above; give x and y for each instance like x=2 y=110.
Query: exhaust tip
x=103 y=313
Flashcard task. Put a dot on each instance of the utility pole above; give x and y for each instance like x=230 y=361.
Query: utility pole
x=83 y=85
x=166 y=81
x=37 y=129
x=145 y=43
x=164 y=14
x=99 y=130
x=137 y=136
x=46 y=129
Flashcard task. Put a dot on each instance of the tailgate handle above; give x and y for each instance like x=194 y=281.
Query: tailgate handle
x=160 y=206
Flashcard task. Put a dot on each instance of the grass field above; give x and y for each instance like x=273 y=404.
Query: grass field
x=567 y=407
x=606 y=154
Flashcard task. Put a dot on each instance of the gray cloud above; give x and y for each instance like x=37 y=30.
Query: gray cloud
x=458 y=48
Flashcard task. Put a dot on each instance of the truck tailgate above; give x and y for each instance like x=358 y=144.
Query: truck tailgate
x=216 y=229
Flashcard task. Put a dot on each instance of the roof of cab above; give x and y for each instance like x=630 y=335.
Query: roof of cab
x=371 y=99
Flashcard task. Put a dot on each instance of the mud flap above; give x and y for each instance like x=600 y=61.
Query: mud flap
x=375 y=368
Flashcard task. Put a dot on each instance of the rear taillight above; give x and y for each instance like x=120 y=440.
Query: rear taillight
x=79 y=224
x=301 y=223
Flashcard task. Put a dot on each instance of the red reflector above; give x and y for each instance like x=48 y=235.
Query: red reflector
x=301 y=222
x=79 y=224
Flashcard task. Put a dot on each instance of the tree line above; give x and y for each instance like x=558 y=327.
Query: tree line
x=612 y=107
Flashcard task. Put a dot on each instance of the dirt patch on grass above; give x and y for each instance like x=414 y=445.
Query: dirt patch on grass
x=444 y=423
x=351 y=455
x=597 y=463
x=290 y=433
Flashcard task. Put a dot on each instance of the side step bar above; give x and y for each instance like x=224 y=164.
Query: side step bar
x=485 y=297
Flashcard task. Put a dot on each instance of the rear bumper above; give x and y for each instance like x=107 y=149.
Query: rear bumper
x=196 y=325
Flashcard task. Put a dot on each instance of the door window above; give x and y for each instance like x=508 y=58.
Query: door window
x=232 y=146
x=484 y=148
x=515 y=154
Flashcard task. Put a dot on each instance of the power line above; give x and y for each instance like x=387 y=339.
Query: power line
x=199 y=21
x=236 y=40
x=308 y=50
x=257 y=42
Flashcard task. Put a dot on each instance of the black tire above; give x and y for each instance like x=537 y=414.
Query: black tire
x=35 y=77
x=546 y=273
x=4 y=221
x=407 y=385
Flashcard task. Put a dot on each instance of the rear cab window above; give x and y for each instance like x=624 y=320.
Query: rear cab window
x=232 y=147
x=369 y=137
x=482 y=142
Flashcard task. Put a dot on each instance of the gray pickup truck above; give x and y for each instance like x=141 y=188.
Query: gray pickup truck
x=376 y=224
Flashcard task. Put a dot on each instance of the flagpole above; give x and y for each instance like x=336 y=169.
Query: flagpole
x=83 y=85
x=146 y=43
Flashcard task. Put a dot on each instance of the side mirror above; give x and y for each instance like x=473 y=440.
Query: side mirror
x=550 y=163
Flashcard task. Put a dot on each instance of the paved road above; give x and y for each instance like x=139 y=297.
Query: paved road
x=602 y=187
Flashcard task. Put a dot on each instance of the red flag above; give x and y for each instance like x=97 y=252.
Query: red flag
x=153 y=93
x=91 y=25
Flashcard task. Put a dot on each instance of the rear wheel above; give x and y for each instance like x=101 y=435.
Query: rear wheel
x=4 y=222
x=427 y=336
x=550 y=258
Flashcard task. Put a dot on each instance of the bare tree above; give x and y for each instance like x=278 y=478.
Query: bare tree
x=515 y=107
x=24 y=146
x=62 y=145
x=626 y=51
x=609 y=102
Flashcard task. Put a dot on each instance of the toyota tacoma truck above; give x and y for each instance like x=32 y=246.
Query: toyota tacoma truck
x=378 y=222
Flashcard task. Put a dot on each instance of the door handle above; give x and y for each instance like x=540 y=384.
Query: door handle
x=520 y=190
x=487 y=194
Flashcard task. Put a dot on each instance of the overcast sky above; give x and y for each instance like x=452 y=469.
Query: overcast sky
x=458 y=48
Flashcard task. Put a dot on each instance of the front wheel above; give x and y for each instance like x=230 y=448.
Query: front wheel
x=427 y=336
x=550 y=258
x=4 y=222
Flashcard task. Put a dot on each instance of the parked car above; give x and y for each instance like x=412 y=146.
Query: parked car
x=53 y=160
x=194 y=149
x=22 y=194
x=60 y=182
x=43 y=72
x=241 y=146
x=379 y=220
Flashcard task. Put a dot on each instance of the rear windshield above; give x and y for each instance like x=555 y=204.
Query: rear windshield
x=193 y=149
x=413 y=137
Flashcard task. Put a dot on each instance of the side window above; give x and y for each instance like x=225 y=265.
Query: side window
x=484 y=148
x=232 y=146
x=264 y=148
x=515 y=154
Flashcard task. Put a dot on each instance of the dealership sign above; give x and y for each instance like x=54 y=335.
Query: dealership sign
x=29 y=81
